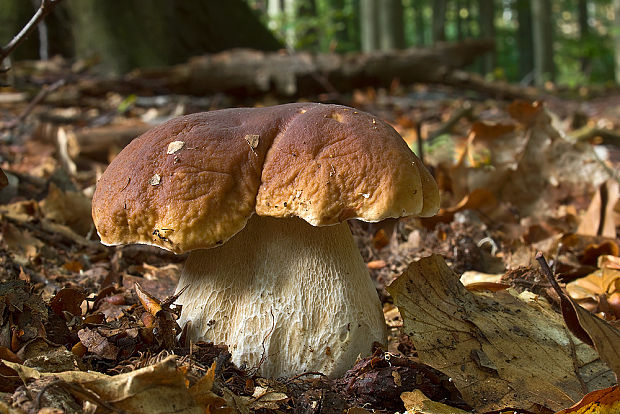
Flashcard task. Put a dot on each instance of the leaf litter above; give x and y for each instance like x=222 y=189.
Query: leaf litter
x=86 y=328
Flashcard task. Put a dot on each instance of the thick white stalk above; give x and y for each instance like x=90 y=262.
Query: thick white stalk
x=298 y=295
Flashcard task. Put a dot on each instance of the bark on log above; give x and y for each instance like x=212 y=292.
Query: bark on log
x=250 y=72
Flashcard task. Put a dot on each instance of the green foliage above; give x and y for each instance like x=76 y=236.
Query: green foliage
x=334 y=26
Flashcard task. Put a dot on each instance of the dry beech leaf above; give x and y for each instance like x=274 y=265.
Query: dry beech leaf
x=20 y=242
x=603 y=335
x=4 y=181
x=69 y=208
x=98 y=344
x=479 y=199
x=598 y=219
x=68 y=300
x=525 y=166
x=156 y=389
x=149 y=303
x=202 y=392
x=606 y=401
x=588 y=327
x=500 y=349
x=599 y=282
x=418 y=403
x=524 y=112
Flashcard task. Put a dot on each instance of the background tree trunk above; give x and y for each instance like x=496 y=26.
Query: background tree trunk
x=419 y=22
x=584 y=31
x=617 y=40
x=161 y=32
x=544 y=67
x=460 y=33
x=308 y=37
x=391 y=24
x=369 y=25
x=290 y=17
x=525 y=43
x=439 y=20
x=486 y=15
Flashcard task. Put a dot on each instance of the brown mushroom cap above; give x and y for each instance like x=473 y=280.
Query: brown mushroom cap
x=194 y=181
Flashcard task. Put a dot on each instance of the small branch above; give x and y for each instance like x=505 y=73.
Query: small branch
x=46 y=7
x=607 y=136
x=465 y=112
x=544 y=266
x=418 y=130
x=45 y=90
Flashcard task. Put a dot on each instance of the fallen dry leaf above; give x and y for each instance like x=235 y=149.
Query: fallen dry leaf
x=202 y=392
x=4 y=181
x=21 y=243
x=598 y=219
x=150 y=303
x=159 y=388
x=418 y=403
x=501 y=350
x=606 y=401
x=585 y=325
x=68 y=300
x=97 y=344
x=523 y=166
x=478 y=199
x=69 y=208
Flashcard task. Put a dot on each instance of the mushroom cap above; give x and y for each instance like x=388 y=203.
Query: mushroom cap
x=194 y=181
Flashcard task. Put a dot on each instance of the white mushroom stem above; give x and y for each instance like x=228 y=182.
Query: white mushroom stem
x=298 y=295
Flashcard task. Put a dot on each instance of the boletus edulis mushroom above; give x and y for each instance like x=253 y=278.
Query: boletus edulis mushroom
x=260 y=199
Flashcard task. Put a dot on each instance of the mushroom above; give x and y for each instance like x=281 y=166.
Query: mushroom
x=260 y=199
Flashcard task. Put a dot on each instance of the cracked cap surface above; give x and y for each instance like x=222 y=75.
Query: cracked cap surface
x=194 y=181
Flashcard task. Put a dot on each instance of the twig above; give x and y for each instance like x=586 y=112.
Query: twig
x=418 y=131
x=566 y=305
x=465 y=112
x=540 y=258
x=303 y=374
x=607 y=136
x=45 y=90
x=46 y=7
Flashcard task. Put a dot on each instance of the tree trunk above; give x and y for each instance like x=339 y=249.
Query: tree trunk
x=274 y=12
x=584 y=32
x=290 y=18
x=250 y=72
x=460 y=34
x=161 y=32
x=420 y=22
x=391 y=25
x=544 y=67
x=439 y=20
x=525 y=43
x=369 y=25
x=308 y=36
x=487 y=31
x=617 y=40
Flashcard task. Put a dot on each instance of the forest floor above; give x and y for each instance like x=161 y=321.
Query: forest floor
x=474 y=324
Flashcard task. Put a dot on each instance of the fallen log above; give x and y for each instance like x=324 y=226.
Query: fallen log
x=249 y=72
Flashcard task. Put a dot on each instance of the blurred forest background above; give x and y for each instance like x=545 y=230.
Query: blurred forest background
x=570 y=43
x=514 y=105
